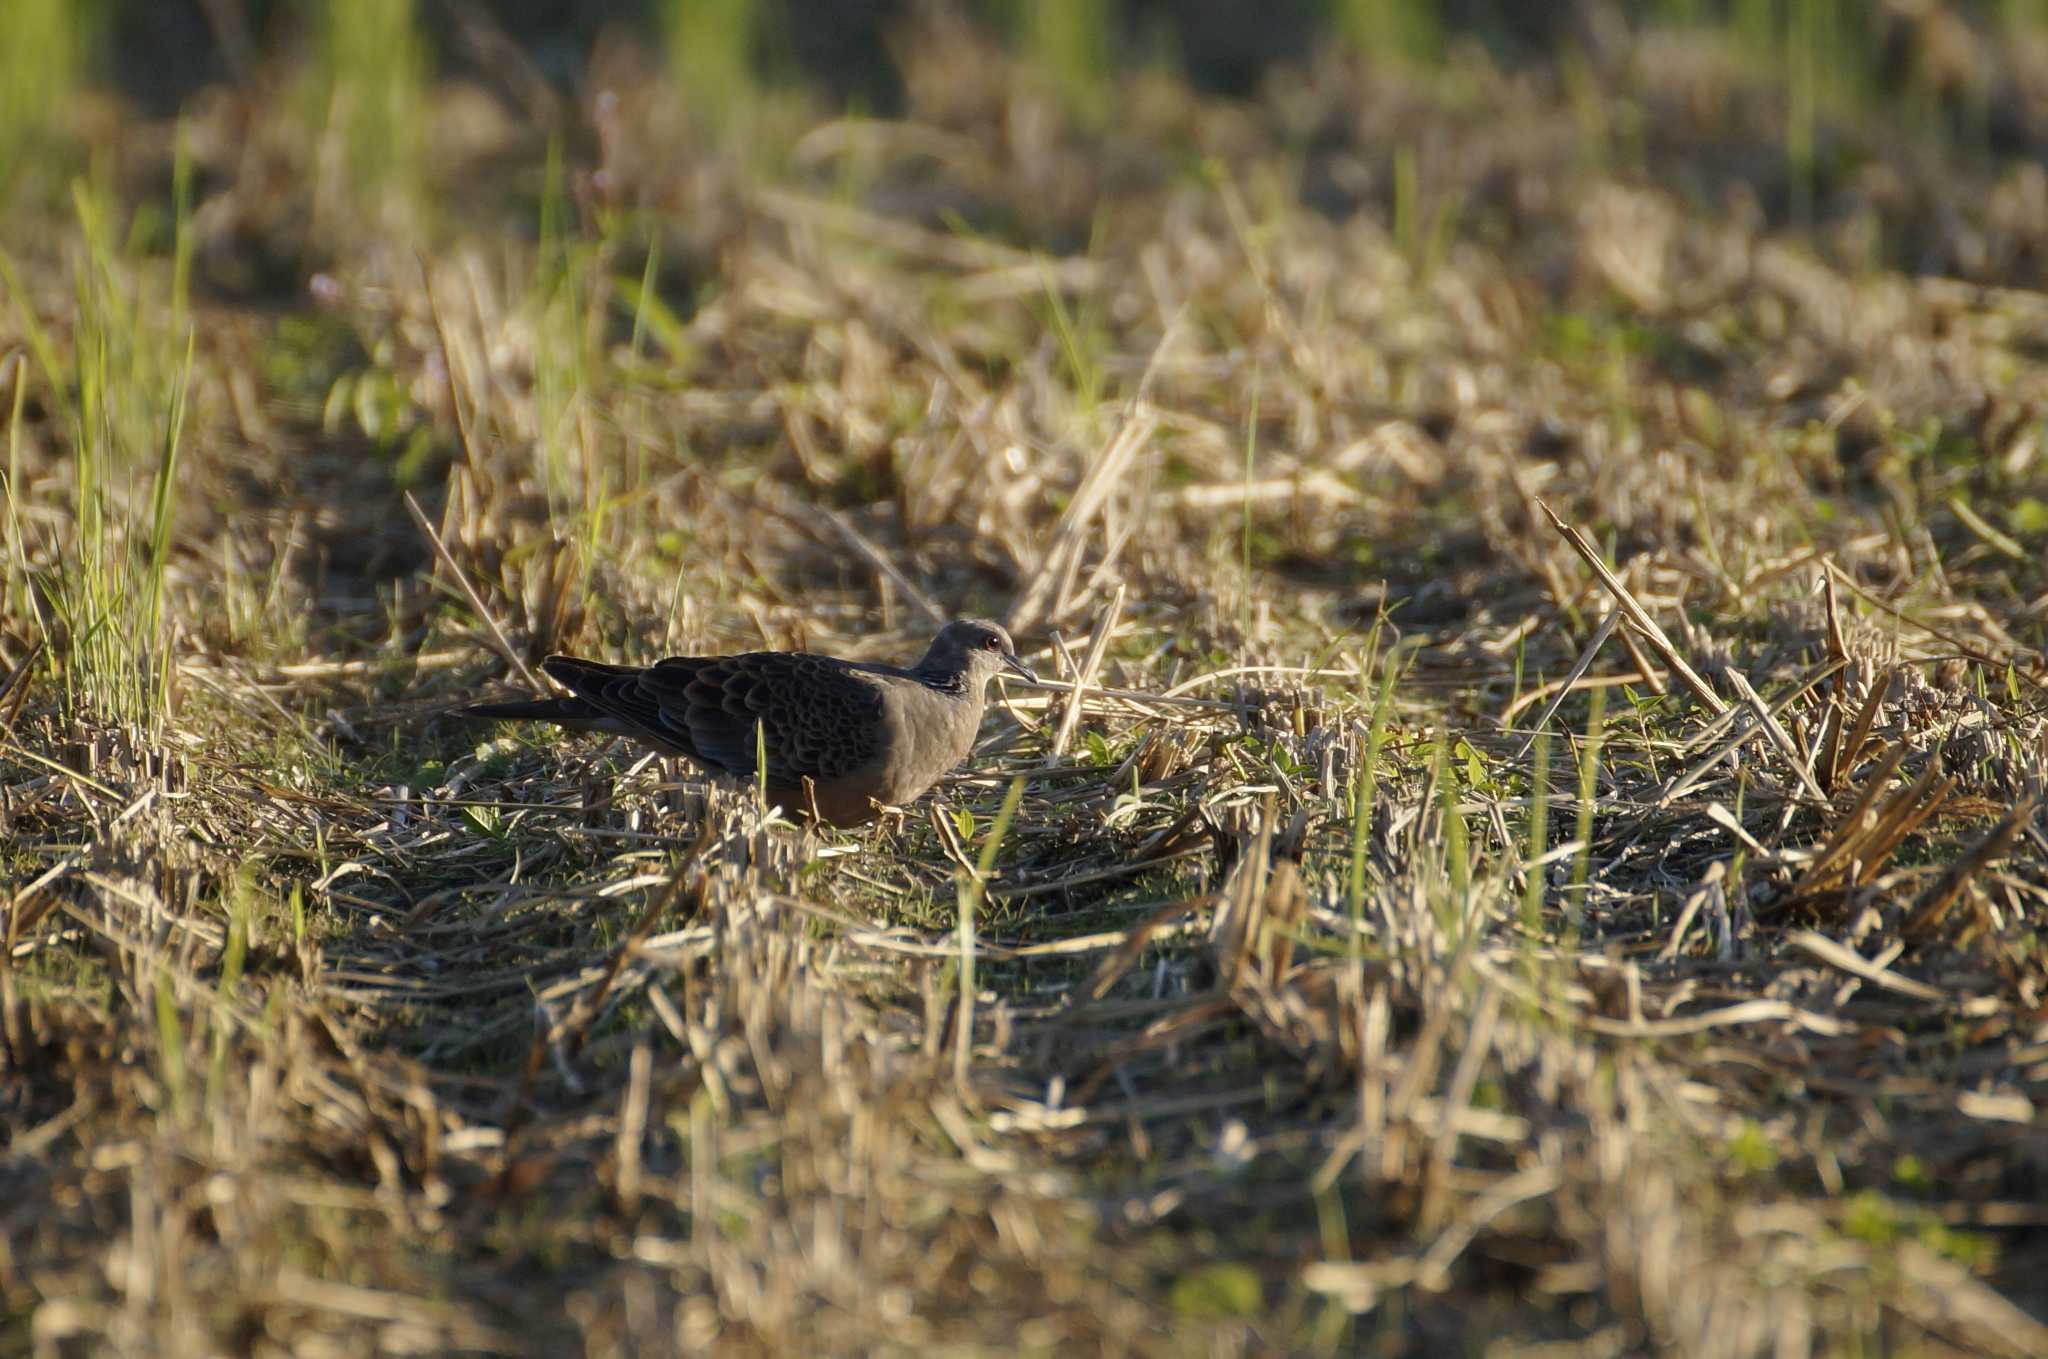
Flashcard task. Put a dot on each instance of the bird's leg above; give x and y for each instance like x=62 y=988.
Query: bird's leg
x=598 y=793
x=678 y=795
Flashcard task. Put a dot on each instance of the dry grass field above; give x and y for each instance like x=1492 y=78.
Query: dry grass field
x=1530 y=841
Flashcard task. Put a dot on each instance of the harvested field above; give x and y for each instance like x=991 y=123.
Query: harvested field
x=1532 y=530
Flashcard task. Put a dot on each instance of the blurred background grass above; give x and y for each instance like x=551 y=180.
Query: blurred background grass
x=1919 y=63
x=1825 y=87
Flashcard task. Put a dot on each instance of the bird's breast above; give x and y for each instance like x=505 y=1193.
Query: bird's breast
x=930 y=733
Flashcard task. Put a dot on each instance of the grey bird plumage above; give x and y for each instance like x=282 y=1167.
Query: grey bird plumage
x=843 y=737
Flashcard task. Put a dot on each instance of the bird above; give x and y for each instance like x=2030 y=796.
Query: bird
x=843 y=739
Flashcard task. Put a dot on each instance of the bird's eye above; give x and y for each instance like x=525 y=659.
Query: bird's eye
x=993 y=643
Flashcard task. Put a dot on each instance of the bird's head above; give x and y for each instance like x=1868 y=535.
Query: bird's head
x=976 y=648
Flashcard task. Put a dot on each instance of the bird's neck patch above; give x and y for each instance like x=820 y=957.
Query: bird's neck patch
x=945 y=681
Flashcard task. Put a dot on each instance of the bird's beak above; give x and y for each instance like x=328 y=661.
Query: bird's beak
x=1010 y=662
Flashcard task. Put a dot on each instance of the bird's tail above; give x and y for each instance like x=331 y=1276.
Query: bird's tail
x=574 y=710
x=567 y=711
x=574 y=672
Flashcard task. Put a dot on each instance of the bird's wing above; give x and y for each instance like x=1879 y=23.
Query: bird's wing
x=818 y=717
